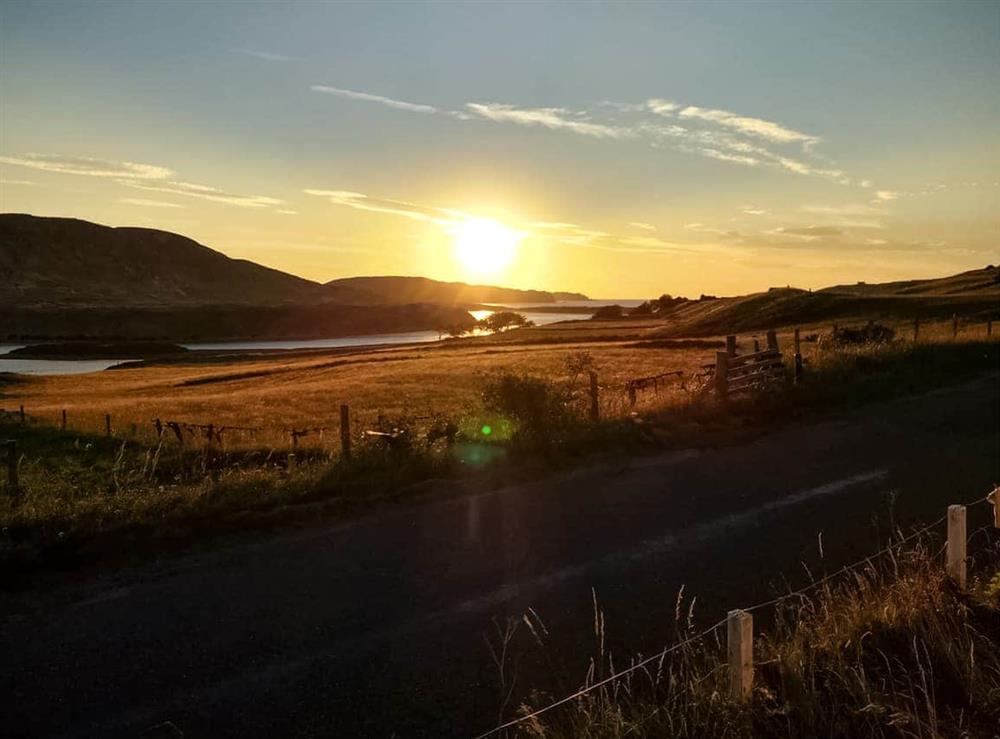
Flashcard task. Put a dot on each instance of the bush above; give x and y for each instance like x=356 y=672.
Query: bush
x=871 y=333
x=538 y=408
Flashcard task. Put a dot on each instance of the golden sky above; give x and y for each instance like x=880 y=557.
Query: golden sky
x=618 y=150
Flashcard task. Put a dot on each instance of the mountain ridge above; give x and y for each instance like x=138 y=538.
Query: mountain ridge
x=57 y=262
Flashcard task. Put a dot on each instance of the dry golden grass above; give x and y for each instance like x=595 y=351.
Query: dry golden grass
x=307 y=392
x=282 y=393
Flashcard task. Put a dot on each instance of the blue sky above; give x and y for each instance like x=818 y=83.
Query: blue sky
x=635 y=148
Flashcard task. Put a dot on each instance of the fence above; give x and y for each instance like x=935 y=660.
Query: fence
x=739 y=621
x=730 y=374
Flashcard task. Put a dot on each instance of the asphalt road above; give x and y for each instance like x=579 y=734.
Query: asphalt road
x=376 y=627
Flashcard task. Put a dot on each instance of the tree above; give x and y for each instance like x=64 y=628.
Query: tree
x=504 y=320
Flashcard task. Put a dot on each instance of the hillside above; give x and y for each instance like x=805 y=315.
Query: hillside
x=423 y=290
x=224 y=322
x=974 y=282
x=973 y=294
x=63 y=262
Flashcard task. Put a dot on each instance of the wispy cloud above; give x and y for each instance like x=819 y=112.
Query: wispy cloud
x=885 y=195
x=809 y=232
x=204 y=192
x=360 y=201
x=370 y=98
x=144 y=203
x=643 y=226
x=709 y=132
x=749 y=210
x=267 y=56
x=756 y=127
x=19 y=183
x=553 y=118
x=88 y=167
x=145 y=177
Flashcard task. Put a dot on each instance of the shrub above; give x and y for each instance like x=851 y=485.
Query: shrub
x=871 y=333
x=538 y=408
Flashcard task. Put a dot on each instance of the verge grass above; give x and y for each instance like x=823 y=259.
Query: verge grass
x=893 y=649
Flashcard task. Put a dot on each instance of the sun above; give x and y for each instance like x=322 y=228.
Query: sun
x=484 y=247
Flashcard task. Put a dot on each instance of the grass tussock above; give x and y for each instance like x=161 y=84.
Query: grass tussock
x=891 y=651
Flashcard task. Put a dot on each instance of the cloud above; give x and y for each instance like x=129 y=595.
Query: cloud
x=88 y=167
x=756 y=127
x=360 y=201
x=749 y=210
x=204 y=192
x=885 y=195
x=286 y=212
x=267 y=56
x=850 y=209
x=142 y=202
x=20 y=183
x=368 y=97
x=553 y=118
x=726 y=157
x=661 y=107
x=643 y=226
x=809 y=232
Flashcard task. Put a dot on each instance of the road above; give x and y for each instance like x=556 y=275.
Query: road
x=376 y=627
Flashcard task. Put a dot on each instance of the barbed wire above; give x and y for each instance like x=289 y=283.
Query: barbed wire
x=697 y=637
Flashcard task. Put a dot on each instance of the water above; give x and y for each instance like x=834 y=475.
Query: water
x=52 y=366
x=405 y=337
x=82 y=366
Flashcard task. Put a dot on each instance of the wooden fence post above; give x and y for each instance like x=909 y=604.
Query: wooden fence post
x=22 y=412
x=595 y=407
x=345 y=432
x=756 y=345
x=290 y=465
x=772 y=341
x=731 y=346
x=107 y=425
x=994 y=499
x=956 y=544
x=954 y=325
x=631 y=395
x=989 y=328
x=64 y=419
x=721 y=375
x=739 y=627
x=798 y=357
x=916 y=328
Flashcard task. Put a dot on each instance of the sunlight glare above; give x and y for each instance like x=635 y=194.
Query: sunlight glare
x=484 y=247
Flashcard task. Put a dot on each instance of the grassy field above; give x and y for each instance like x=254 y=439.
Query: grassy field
x=80 y=489
x=280 y=394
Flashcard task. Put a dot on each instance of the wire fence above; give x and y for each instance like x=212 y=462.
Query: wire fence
x=798 y=593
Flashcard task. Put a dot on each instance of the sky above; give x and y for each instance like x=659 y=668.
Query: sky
x=618 y=149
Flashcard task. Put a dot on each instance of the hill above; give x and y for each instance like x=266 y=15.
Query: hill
x=974 y=294
x=424 y=290
x=974 y=282
x=64 y=262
